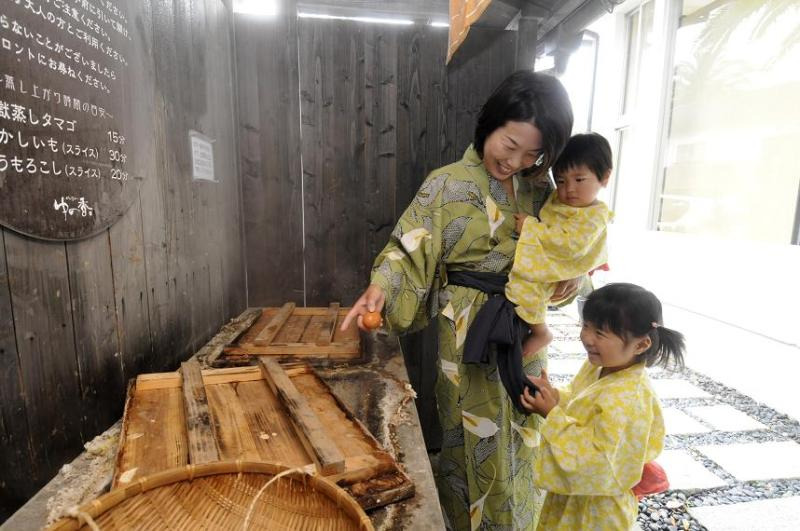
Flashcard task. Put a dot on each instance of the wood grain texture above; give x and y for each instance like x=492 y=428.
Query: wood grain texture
x=39 y=285
x=328 y=327
x=344 y=351
x=325 y=451
x=201 y=427
x=269 y=137
x=252 y=422
x=268 y=333
x=97 y=343
x=15 y=450
x=154 y=435
x=228 y=334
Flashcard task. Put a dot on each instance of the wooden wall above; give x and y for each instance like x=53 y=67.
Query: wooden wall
x=78 y=319
x=377 y=110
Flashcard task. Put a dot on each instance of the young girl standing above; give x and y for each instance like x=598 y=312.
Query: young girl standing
x=601 y=429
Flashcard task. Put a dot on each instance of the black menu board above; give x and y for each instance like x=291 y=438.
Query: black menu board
x=66 y=116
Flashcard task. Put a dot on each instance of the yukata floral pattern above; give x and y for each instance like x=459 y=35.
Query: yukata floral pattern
x=462 y=219
x=567 y=242
x=595 y=443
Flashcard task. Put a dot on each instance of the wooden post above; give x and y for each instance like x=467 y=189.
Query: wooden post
x=527 y=33
x=305 y=421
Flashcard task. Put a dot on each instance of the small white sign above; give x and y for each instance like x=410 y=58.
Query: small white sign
x=202 y=157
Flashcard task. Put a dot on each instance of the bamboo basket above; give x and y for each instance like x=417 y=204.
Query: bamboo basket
x=219 y=496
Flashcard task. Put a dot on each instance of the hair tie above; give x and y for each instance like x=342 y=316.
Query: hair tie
x=654 y=324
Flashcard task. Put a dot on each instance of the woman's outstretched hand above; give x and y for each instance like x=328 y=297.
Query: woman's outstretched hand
x=371 y=300
x=545 y=399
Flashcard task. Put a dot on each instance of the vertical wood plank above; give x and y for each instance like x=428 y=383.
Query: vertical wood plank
x=39 y=284
x=223 y=95
x=269 y=133
x=97 y=345
x=348 y=82
x=128 y=260
x=201 y=427
x=380 y=161
x=318 y=51
x=15 y=452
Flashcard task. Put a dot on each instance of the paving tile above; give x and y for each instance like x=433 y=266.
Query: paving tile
x=726 y=418
x=564 y=366
x=751 y=461
x=685 y=473
x=678 y=423
x=776 y=515
x=569 y=347
x=559 y=318
x=676 y=388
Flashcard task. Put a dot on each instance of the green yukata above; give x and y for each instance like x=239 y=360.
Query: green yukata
x=462 y=220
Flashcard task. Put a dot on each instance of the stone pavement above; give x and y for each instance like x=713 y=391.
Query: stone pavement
x=733 y=461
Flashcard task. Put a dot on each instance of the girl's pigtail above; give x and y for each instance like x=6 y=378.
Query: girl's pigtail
x=669 y=346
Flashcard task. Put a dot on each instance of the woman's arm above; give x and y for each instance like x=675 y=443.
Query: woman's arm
x=404 y=272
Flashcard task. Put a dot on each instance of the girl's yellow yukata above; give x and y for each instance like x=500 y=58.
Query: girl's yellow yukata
x=567 y=243
x=595 y=443
x=462 y=219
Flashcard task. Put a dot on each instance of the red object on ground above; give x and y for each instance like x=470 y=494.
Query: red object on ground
x=654 y=480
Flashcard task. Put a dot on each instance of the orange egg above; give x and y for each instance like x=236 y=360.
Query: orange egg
x=372 y=319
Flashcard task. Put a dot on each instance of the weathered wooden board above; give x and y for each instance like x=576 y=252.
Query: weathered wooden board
x=312 y=434
x=303 y=333
x=250 y=422
x=153 y=434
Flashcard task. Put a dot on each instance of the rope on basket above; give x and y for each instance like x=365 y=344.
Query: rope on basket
x=261 y=490
x=79 y=515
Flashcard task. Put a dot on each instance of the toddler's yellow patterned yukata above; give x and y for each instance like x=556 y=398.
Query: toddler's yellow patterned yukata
x=595 y=443
x=567 y=243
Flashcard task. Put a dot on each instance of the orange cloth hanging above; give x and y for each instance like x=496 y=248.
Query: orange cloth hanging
x=463 y=13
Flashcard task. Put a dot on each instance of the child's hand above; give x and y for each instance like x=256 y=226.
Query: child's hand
x=519 y=220
x=544 y=400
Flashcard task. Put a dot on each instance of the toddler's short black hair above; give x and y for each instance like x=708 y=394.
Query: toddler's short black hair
x=586 y=149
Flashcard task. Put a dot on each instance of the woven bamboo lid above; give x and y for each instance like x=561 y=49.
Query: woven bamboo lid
x=220 y=496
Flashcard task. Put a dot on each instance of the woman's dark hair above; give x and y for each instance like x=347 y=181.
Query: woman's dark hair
x=526 y=96
x=587 y=149
x=630 y=311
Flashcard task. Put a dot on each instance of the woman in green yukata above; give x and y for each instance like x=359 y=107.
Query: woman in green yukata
x=462 y=219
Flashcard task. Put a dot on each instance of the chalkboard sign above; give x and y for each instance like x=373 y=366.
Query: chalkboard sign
x=67 y=116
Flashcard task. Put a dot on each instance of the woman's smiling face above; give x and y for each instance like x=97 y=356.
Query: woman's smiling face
x=511 y=148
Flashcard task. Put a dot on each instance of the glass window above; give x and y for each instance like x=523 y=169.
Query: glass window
x=731 y=164
x=639 y=65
